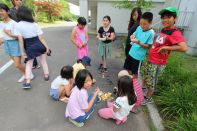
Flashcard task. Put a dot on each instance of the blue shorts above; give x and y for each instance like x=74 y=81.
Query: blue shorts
x=11 y=48
x=54 y=93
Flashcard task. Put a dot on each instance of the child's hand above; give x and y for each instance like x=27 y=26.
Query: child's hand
x=135 y=41
x=97 y=90
x=8 y=32
x=163 y=50
x=79 y=46
x=132 y=37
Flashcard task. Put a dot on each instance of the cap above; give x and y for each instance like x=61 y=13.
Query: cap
x=170 y=9
x=124 y=73
x=86 y=60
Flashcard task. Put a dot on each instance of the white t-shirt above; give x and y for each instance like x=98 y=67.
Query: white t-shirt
x=124 y=107
x=58 y=81
x=28 y=29
x=11 y=25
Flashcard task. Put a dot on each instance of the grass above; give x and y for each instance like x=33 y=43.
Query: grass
x=177 y=101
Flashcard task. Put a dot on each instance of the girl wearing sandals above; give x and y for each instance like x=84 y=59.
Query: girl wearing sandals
x=30 y=36
x=106 y=34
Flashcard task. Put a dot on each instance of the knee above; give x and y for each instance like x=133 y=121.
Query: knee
x=17 y=65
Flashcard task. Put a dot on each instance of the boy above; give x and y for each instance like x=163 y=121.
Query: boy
x=142 y=40
x=169 y=39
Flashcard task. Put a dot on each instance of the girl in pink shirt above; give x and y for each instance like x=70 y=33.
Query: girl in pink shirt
x=80 y=105
x=79 y=37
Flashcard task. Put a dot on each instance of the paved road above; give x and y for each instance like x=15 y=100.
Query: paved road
x=33 y=110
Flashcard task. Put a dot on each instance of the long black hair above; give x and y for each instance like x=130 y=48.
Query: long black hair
x=131 y=21
x=24 y=14
x=125 y=88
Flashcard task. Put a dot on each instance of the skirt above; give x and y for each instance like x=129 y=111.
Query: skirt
x=33 y=47
x=104 y=49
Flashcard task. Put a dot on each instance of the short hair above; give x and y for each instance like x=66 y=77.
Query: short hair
x=148 y=16
x=67 y=72
x=4 y=7
x=107 y=17
x=81 y=77
x=81 y=21
x=24 y=14
x=169 y=14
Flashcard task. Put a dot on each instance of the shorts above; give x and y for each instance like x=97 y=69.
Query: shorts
x=131 y=64
x=54 y=93
x=11 y=48
x=150 y=73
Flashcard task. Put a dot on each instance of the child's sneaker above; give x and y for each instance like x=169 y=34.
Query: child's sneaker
x=78 y=124
x=147 y=100
x=65 y=99
x=26 y=86
x=21 y=79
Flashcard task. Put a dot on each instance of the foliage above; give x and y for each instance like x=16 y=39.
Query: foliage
x=52 y=9
x=128 y=4
x=177 y=101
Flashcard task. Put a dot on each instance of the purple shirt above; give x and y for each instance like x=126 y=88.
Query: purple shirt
x=77 y=103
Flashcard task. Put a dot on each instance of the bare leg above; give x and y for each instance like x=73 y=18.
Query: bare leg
x=18 y=65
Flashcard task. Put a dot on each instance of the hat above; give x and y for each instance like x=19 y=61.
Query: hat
x=86 y=60
x=124 y=73
x=170 y=9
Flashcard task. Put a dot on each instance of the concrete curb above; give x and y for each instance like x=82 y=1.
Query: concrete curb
x=155 y=117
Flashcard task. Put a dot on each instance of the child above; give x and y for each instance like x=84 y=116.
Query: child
x=106 y=34
x=120 y=109
x=79 y=37
x=133 y=24
x=30 y=36
x=142 y=40
x=81 y=64
x=169 y=39
x=62 y=85
x=13 y=11
x=137 y=88
x=80 y=106
x=9 y=38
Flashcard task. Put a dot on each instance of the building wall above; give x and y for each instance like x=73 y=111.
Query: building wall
x=119 y=17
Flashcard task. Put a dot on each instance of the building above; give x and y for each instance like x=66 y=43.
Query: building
x=120 y=17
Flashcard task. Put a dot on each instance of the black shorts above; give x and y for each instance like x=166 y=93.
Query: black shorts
x=131 y=64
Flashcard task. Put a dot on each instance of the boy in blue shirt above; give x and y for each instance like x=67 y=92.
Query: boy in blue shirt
x=141 y=41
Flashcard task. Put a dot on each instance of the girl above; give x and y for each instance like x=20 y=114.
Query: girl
x=13 y=11
x=137 y=88
x=120 y=109
x=106 y=35
x=62 y=85
x=80 y=106
x=134 y=21
x=79 y=37
x=30 y=37
x=11 y=45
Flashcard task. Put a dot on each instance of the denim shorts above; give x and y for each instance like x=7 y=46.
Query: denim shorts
x=11 y=48
x=54 y=93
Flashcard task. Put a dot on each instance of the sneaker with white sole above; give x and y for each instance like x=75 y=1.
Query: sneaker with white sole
x=26 y=86
x=21 y=79
x=147 y=100
x=78 y=124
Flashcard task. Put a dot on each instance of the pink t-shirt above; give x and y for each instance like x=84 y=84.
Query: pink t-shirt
x=77 y=103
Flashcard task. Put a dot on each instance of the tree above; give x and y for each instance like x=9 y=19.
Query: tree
x=128 y=4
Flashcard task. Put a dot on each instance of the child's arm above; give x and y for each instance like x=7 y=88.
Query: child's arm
x=181 y=47
x=1 y=41
x=21 y=44
x=147 y=46
x=69 y=87
x=112 y=36
x=41 y=38
x=8 y=32
x=90 y=104
x=72 y=38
